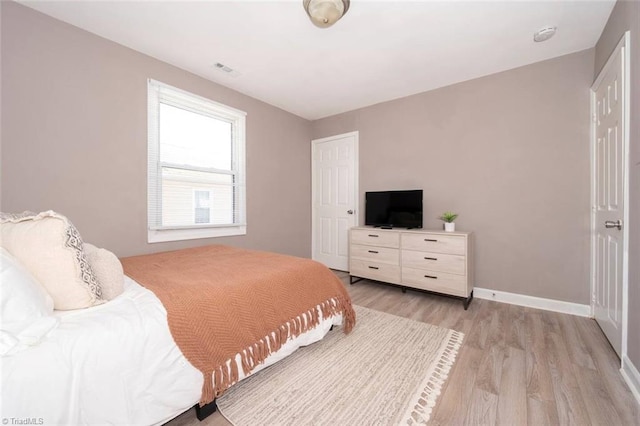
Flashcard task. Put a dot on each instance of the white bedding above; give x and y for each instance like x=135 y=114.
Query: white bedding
x=111 y=364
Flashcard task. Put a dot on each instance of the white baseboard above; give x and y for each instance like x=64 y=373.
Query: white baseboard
x=631 y=376
x=533 y=302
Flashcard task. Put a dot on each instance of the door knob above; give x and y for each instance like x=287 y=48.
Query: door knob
x=350 y=211
x=612 y=224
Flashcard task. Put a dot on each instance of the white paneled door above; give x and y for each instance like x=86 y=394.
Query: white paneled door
x=608 y=181
x=334 y=198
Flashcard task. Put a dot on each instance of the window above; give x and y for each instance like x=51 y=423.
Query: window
x=196 y=166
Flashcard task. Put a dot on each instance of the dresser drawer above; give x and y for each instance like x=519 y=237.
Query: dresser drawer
x=375 y=254
x=435 y=281
x=374 y=237
x=450 y=263
x=375 y=271
x=435 y=243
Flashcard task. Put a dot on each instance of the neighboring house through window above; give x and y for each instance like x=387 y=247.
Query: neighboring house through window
x=201 y=206
x=196 y=166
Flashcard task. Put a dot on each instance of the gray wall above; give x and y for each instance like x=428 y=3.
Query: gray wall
x=74 y=139
x=626 y=16
x=510 y=153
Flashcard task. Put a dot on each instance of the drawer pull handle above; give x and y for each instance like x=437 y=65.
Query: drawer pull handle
x=373 y=251
x=430 y=258
x=431 y=276
x=374 y=235
x=430 y=240
x=374 y=267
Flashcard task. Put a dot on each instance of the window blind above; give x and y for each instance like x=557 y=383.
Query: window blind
x=196 y=161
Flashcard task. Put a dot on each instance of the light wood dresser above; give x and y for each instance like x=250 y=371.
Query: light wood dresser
x=433 y=261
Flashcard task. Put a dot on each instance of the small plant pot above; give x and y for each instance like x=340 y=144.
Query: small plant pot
x=449 y=226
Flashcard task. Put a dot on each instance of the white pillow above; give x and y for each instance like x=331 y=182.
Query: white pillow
x=51 y=248
x=25 y=307
x=108 y=270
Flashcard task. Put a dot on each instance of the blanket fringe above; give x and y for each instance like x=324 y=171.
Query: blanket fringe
x=224 y=376
x=207 y=389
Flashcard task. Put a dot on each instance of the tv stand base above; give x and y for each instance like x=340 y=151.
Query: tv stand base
x=466 y=301
x=433 y=261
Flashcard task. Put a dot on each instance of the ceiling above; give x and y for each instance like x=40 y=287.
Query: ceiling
x=380 y=50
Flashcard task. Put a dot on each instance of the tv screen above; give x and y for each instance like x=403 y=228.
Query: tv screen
x=402 y=209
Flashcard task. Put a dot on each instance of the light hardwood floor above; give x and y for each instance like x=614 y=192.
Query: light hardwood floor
x=517 y=366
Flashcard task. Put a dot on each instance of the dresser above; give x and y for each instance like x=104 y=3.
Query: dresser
x=433 y=261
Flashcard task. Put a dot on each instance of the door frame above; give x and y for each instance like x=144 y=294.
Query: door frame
x=622 y=44
x=356 y=179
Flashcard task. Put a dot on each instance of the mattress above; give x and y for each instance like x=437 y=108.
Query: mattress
x=112 y=364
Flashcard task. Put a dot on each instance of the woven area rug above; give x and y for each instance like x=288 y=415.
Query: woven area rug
x=388 y=371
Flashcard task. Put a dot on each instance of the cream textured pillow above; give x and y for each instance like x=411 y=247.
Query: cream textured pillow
x=51 y=248
x=108 y=270
x=25 y=307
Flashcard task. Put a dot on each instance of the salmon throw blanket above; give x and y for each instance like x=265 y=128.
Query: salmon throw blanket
x=222 y=301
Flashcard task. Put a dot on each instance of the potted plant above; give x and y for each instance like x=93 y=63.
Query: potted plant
x=448 y=218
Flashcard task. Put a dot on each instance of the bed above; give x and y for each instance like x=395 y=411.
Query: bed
x=95 y=368
x=118 y=362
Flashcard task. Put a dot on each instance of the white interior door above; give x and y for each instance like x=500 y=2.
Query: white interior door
x=334 y=194
x=609 y=164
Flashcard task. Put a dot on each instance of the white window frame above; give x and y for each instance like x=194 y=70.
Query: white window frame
x=158 y=92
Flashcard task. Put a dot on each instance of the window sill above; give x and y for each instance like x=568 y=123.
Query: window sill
x=161 y=236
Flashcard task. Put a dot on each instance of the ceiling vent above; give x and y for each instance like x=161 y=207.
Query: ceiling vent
x=225 y=69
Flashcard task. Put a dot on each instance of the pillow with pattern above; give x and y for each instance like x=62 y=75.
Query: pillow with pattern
x=51 y=248
x=108 y=270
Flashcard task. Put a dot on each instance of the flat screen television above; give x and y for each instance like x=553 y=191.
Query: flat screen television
x=401 y=209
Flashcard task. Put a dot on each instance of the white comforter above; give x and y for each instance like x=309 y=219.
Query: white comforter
x=111 y=364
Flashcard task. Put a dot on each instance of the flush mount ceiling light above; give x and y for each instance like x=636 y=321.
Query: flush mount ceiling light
x=325 y=13
x=544 y=34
